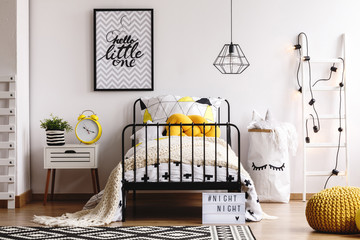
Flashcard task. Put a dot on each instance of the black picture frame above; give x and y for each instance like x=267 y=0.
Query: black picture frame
x=123 y=49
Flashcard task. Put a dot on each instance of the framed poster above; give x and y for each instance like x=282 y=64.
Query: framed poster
x=123 y=41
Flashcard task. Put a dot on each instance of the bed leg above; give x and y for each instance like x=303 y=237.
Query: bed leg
x=123 y=204
x=134 y=195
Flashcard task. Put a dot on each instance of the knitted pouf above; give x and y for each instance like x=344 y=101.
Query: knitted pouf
x=357 y=219
x=334 y=209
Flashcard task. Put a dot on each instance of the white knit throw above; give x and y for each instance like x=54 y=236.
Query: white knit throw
x=102 y=214
x=183 y=149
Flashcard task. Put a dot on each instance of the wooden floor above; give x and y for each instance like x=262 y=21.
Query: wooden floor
x=291 y=223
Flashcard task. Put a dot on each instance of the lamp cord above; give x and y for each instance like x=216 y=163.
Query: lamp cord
x=231 y=20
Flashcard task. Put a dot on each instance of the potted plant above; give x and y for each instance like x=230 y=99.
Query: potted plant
x=55 y=128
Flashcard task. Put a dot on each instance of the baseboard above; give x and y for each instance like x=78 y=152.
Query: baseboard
x=23 y=199
x=3 y=204
x=20 y=200
x=63 y=196
x=299 y=196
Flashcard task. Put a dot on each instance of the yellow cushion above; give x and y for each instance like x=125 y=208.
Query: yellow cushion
x=198 y=120
x=177 y=119
x=334 y=209
x=199 y=131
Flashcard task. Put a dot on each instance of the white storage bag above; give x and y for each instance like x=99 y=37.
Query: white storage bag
x=268 y=158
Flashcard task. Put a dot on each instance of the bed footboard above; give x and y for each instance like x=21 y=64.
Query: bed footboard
x=229 y=183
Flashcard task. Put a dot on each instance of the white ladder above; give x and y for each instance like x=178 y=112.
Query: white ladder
x=8 y=131
x=305 y=88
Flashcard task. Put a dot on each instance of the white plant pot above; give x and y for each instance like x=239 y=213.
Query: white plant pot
x=55 y=137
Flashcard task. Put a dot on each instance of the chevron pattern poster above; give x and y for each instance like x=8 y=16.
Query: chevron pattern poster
x=123 y=40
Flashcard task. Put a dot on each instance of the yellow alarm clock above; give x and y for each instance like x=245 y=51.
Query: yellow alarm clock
x=88 y=129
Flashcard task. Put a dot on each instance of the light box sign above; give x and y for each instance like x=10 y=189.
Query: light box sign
x=223 y=208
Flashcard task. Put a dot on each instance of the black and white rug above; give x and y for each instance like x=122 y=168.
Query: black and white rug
x=129 y=233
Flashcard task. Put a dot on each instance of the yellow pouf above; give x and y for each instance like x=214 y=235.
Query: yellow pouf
x=334 y=209
x=357 y=219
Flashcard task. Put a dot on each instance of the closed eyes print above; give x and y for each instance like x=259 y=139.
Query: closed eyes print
x=255 y=168
x=281 y=168
x=259 y=168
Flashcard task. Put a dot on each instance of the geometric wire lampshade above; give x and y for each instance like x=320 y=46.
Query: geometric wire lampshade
x=231 y=60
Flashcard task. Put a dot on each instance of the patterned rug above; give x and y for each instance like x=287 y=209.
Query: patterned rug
x=129 y=233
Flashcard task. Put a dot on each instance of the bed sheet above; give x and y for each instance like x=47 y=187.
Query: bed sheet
x=175 y=173
x=252 y=205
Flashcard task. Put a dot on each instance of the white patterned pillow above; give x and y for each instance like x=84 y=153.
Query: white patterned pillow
x=159 y=109
x=151 y=133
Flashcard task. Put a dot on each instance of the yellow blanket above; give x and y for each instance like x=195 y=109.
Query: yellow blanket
x=199 y=131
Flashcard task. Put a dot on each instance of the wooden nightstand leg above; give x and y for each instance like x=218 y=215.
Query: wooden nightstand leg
x=97 y=180
x=93 y=177
x=47 y=185
x=53 y=184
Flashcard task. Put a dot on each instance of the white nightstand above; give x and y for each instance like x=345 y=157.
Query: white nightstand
x=71 y=156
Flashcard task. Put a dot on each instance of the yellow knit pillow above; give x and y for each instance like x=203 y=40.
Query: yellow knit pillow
x=334 y=209
x=199 y=131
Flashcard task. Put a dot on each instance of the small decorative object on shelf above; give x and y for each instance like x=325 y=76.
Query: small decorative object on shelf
x=88 y=130
x=55 y=128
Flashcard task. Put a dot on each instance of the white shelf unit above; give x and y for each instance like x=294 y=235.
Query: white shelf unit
x=8 y=131
x=344 y=142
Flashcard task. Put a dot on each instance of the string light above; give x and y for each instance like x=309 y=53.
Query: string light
x=297 y=46
x=307 y=138
x=340 y=129
x=332 y=69
x=306 y=59
x=316 y=128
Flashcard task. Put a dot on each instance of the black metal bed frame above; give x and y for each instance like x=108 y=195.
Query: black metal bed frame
x=180 y=185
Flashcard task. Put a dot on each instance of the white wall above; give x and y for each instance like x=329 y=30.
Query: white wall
x=7 y=37
x=187 y=37
x=7 y=57
x=23 y=98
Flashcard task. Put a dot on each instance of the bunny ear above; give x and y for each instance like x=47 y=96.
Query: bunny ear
x=269 y=116
x=256 y=117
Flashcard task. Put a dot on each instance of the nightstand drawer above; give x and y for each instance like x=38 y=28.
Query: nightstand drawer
x=69 y=157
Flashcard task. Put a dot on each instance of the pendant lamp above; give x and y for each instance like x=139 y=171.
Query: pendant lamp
x=231 y=59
